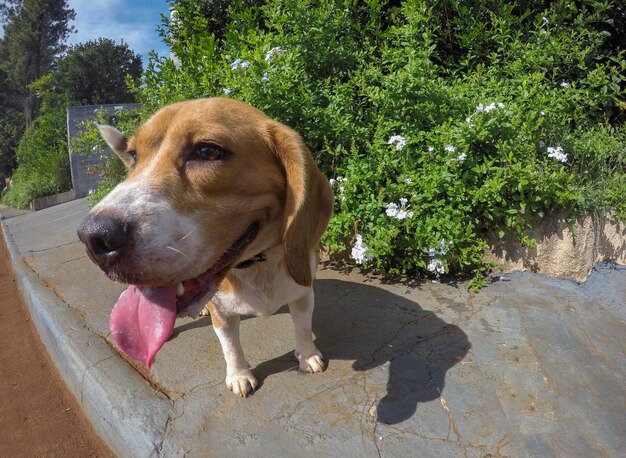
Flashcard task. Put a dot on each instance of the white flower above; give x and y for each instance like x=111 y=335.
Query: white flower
x=544 y=21
x=359 y=251
x=431 y=149
x=444 y=246
x=490 y=107
x=450 y=148
x=265 y=78
x=437 y=266
x=239 y=63
x=542 y=113
x=392 y=210
x=480 y=108
x=564 y=84
x=442 y=249
x=557 y=153
x=461 y=157
x=403 y=214
x=334 y=181
x=399 y=212
x=226 y=91
x=91 y=192
x=274 y=52
x=398 y=141
x=408 y=180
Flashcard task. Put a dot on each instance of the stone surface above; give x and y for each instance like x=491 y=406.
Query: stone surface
x=8 y=212
x=532 y=366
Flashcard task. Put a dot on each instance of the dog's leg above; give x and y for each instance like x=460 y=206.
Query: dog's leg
x=309 y=357
x=239 y=378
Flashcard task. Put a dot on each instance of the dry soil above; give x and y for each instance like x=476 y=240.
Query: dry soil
x=39 y=417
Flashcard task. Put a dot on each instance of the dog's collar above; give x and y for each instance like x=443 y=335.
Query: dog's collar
x=259 y=257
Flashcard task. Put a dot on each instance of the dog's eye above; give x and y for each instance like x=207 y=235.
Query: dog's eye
x=208 y=152
x=133 y=157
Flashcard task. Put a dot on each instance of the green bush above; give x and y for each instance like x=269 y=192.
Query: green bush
x=436 y=121
x=44 y=166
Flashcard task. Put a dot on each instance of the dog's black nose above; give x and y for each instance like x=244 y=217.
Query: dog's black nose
x=105 y=237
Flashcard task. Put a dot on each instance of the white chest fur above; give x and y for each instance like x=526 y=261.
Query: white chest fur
x=262 y=288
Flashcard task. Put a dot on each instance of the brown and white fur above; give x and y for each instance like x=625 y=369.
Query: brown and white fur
x=200 y=173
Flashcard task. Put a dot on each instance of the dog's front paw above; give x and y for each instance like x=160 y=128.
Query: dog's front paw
x=311 y=364
x=242 y=384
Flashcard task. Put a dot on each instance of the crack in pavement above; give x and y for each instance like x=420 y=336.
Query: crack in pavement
x=158 y=448
x=74 y=259
x=82 y=379
x=386 y=344
x=452 y=426
x=53 y=247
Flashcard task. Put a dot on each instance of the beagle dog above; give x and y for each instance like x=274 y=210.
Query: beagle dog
x=223 y=209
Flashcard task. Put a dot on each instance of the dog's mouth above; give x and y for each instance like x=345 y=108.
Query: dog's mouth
x=143 y=318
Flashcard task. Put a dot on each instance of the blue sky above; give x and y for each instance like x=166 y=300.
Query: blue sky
x=134 y=21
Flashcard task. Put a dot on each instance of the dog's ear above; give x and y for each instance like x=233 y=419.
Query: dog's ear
x=308 y=201
x=117 y=142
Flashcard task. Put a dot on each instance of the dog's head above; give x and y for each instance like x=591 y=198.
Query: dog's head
x=202 y=175
x=210 y=183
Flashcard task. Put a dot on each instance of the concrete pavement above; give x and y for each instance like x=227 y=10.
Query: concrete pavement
x=532 y=366
x=8 y=212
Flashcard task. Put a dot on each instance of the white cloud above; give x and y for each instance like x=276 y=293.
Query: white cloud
x=135 y=22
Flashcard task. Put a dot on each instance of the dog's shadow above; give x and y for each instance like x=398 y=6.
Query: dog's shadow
x=371 y=326
x=364 y=323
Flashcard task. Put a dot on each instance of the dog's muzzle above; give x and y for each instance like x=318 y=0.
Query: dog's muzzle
x=107 y=237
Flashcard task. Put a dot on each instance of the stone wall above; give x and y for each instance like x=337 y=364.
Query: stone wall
x=83 y=163
x=50 y=201
x=561 y=251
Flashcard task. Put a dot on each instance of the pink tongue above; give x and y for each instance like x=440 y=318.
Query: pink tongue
x=143 y=319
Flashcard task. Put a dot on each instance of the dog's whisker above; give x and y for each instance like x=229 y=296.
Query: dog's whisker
x=190 y=232
x=178 y=251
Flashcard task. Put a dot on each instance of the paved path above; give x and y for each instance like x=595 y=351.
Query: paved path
x=8 y=212
x=533 y=366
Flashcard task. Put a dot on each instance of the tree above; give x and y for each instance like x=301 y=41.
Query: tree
x=94 y=72
x=34 y=35
x=11 y=128
x=90 y=73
